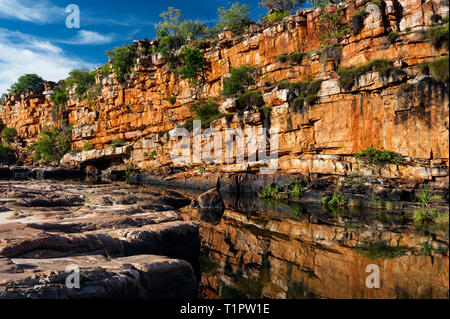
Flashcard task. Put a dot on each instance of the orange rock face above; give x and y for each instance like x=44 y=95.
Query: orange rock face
x=376 y=111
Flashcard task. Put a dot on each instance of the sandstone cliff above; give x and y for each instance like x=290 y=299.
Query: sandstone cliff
x=316 y=140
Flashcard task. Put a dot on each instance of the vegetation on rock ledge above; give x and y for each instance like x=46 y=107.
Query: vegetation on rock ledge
x=27 y=82
x=375 y=156
x=52 y=144
x=239 y=80
x=348 y=76
x=438 y=69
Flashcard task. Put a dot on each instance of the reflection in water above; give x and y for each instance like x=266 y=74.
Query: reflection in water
x=210 y=216
x=258 y=249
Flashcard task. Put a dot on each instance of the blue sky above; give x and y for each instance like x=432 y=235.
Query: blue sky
x=34 y=37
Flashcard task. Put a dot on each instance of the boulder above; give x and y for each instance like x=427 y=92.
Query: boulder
x=211 y=199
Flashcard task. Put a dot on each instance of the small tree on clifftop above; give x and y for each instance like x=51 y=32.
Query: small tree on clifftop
x=280 y=5
x=27 y=82
x=235 y=19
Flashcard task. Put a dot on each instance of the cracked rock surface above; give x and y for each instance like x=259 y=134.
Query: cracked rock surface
x=126 y=241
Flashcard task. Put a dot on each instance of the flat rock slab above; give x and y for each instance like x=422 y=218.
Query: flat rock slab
x=143 y=276
x=122 y=237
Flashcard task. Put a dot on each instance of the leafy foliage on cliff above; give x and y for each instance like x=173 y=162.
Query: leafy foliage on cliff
x=335 y=27
x=294 y=58
x=348 y=76
x=375 y=156
x=277 y=16
x=194 y=62
x=374 y=251
x=439 y=36
x=305 y=91
x=8 y=135
x=173 y=26
x=280 y=5
x=235 y=19
x=82 y=79
x=52 y=144
x=438 y=69
x=59 y=96
x=205 y=111
x=250 y=99
x=122 y=59
x=239 y=80
x=27 y=82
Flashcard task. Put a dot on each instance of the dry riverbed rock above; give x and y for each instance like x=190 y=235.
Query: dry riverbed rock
x=128 y=242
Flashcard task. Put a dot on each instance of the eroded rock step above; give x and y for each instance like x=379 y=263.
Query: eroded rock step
x=44 y=226
x=143 y=276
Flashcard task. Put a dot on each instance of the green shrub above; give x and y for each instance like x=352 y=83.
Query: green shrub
x=377 y=3
x=348 y=76
x=201 y=169
x=393 y=36
x=280 y=5
x=235 y=19
x=423 y=218
x=104 y=70
x=122 y=59
x=27 y=82
x=52 y=144
x=204 y=108
x=170 y=24
x=305 y=90
x=335 y=26
x=8 y=135
x=194 y=62
x=312 y=99
x=374 y=251
x=438 y=69
x=168 y=44
x=272 y=192
x=297 y=189
x=193 y=29
x=59 y=96
x=374 y=156
x=82 y=79
x=294 y=58
x=130 y=170
x=173 y=26
x=302 y=88
x=250 y=99
x=425 y=198
x=93 y=93
x=238 y=81
x=87 y=147
x=438 y=36
x=7 y=155
x=205 y=111
x=172 y=100
x=277 y=16
x=298 y=103
x=337 y=200
x=117 y=143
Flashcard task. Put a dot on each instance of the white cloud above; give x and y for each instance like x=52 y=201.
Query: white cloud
x=21 y=54
x=89 y=37
x=41 y=11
